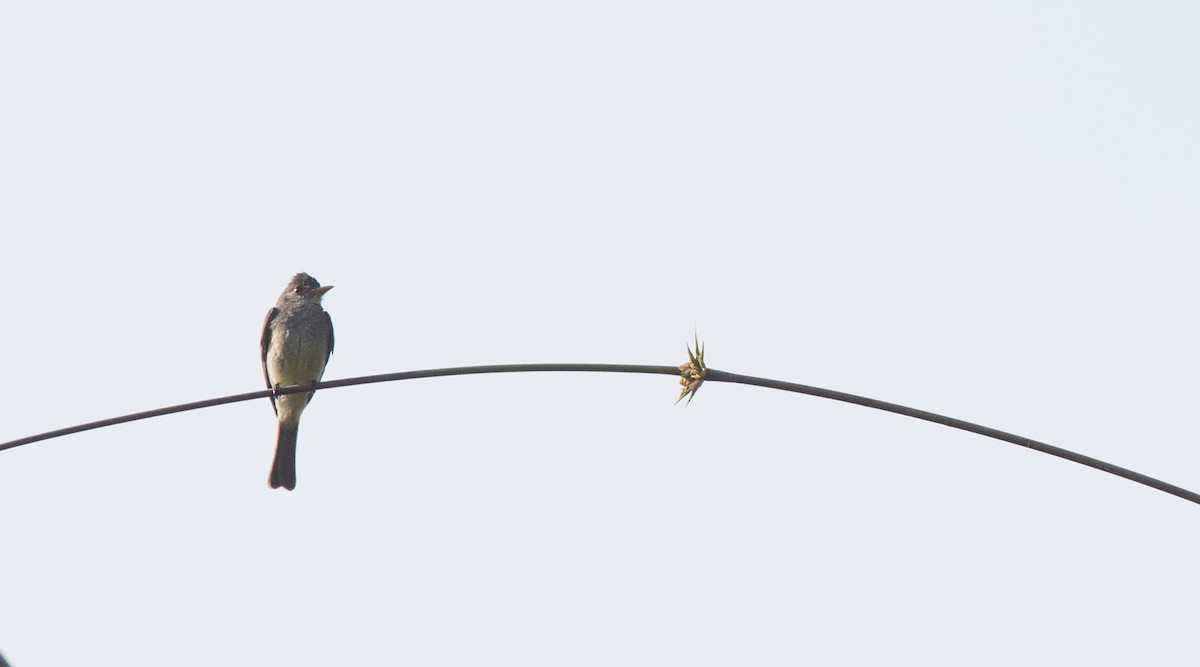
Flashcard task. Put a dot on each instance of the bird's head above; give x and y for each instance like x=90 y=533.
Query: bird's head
x=304 y=286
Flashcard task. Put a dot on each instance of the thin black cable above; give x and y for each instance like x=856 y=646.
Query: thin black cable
x=346 y=382
x=711 y=375
x=714 y=375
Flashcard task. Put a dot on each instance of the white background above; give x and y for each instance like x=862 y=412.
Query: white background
x=984 y=210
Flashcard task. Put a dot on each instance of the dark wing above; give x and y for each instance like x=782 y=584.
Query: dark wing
x=265 y=344
x=329 y=328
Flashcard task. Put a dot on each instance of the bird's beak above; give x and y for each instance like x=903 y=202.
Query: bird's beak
x=320 y=291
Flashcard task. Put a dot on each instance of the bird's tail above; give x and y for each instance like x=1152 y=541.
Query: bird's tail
x=283 y=473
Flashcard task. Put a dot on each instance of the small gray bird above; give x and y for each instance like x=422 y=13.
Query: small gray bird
x=297 y=340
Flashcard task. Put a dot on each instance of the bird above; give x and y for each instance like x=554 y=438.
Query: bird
x=297 y=340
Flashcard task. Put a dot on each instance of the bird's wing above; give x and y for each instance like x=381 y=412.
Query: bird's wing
x=329 y=328
x=266 y=345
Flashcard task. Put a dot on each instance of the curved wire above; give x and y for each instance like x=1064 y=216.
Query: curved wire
x=710 y=375
x=714 y=375
x=346 y=382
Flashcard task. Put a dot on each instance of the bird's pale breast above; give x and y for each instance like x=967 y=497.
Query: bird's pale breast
x=299 y=346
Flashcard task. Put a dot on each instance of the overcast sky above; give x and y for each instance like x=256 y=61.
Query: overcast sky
x=987 y=210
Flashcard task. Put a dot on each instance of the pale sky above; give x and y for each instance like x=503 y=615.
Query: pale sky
x=989 y=211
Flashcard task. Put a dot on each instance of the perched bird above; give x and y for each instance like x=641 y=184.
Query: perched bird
x=297 y=339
